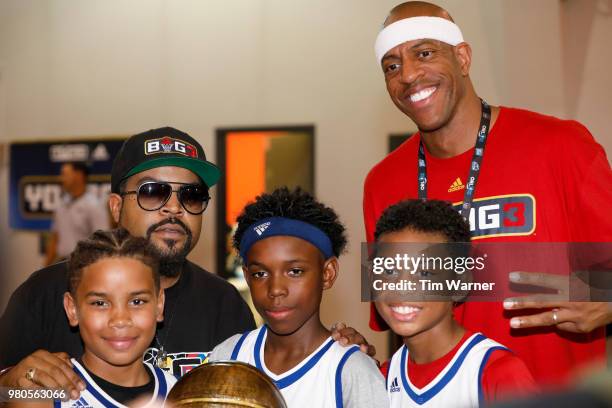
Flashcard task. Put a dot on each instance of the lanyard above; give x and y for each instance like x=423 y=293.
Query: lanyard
x=481 y=138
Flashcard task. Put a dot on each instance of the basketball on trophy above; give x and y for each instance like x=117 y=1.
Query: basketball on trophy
x=226 y=384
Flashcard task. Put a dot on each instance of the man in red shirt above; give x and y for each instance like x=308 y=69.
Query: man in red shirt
x=540 y=179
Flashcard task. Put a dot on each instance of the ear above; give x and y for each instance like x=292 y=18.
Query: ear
x=463 y=53
x=115 y=202
x=161 y=299
x=330 y=272
x=70 y=308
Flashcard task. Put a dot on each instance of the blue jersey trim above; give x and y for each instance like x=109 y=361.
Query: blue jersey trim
x=238 y=345
x=162 y=389
x=94 y=392
x=387 y=377
x=291 y=378
x=481 y=399
x=421 y=399
x=57 y=404
x=345 y=357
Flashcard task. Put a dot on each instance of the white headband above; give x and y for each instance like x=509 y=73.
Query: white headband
x=416 y=28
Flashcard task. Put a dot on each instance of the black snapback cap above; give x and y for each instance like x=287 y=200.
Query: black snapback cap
x=162 y=147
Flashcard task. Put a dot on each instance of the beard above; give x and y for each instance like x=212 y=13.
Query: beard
x=171 y=258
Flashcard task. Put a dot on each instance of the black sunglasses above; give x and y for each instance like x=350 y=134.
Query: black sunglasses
x=153 y=195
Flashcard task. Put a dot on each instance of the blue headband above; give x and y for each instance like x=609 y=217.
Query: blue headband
x=274 y=226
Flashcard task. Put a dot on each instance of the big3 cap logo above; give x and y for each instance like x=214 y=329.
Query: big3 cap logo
x=170 y=145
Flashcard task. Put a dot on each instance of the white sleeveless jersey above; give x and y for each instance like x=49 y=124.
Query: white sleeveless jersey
x=315 y=382
x=95 y=397
x=459 y=384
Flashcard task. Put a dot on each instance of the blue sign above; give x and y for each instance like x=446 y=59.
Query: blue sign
x=35 y=189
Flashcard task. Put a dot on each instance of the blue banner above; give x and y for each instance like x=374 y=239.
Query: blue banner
x=35 y=188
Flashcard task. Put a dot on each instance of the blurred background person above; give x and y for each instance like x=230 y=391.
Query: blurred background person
x=79 y=214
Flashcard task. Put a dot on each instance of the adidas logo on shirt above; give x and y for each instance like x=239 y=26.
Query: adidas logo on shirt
x=394 y=386
x=261 y=228
x=456 y=186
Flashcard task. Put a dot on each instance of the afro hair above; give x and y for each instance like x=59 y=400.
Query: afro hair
x=295 y=204
x=433 y=216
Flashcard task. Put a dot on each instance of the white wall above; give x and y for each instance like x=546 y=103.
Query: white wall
x=587 y=29
x=109 y=67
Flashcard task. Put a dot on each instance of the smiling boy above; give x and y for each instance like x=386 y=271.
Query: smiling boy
x=290 y=245
x=116 y=301
x=441 y=363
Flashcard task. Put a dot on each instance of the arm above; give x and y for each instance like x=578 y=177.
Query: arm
x=585 y=178
x=42 y=369
x=24 y=324
x=506 y=377
x=575 y=317
x=349 y=336
x=362 y=383
x=23 y=318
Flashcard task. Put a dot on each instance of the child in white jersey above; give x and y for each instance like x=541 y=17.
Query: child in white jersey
x=290 y=245
x=116 y=301
x=441 y=363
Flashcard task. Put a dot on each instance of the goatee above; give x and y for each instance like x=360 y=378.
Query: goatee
x=171 y=259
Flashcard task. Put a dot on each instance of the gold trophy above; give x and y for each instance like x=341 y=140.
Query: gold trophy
x=226 y=384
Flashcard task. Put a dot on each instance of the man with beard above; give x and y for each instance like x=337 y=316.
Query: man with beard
x=160 y=181
x=539 y=179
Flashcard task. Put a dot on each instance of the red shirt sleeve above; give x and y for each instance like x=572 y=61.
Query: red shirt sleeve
x=586 y=176
x=506 y=376
x=384 y=368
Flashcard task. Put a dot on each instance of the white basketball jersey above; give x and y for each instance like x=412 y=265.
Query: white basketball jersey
x=459 y=384
x=95 y=397
x=315 y=382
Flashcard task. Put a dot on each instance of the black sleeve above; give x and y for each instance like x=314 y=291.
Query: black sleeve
x=35 y=319
x=236 y=316
x=21 y=326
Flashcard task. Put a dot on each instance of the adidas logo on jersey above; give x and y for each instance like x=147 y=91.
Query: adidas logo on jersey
x=81 y=403
x=261 y=228
x=394 y=386
x=456 y=186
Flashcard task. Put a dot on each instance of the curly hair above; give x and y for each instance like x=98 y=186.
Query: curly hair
x=424 y=216
x=295 y=204
x=110 y=244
